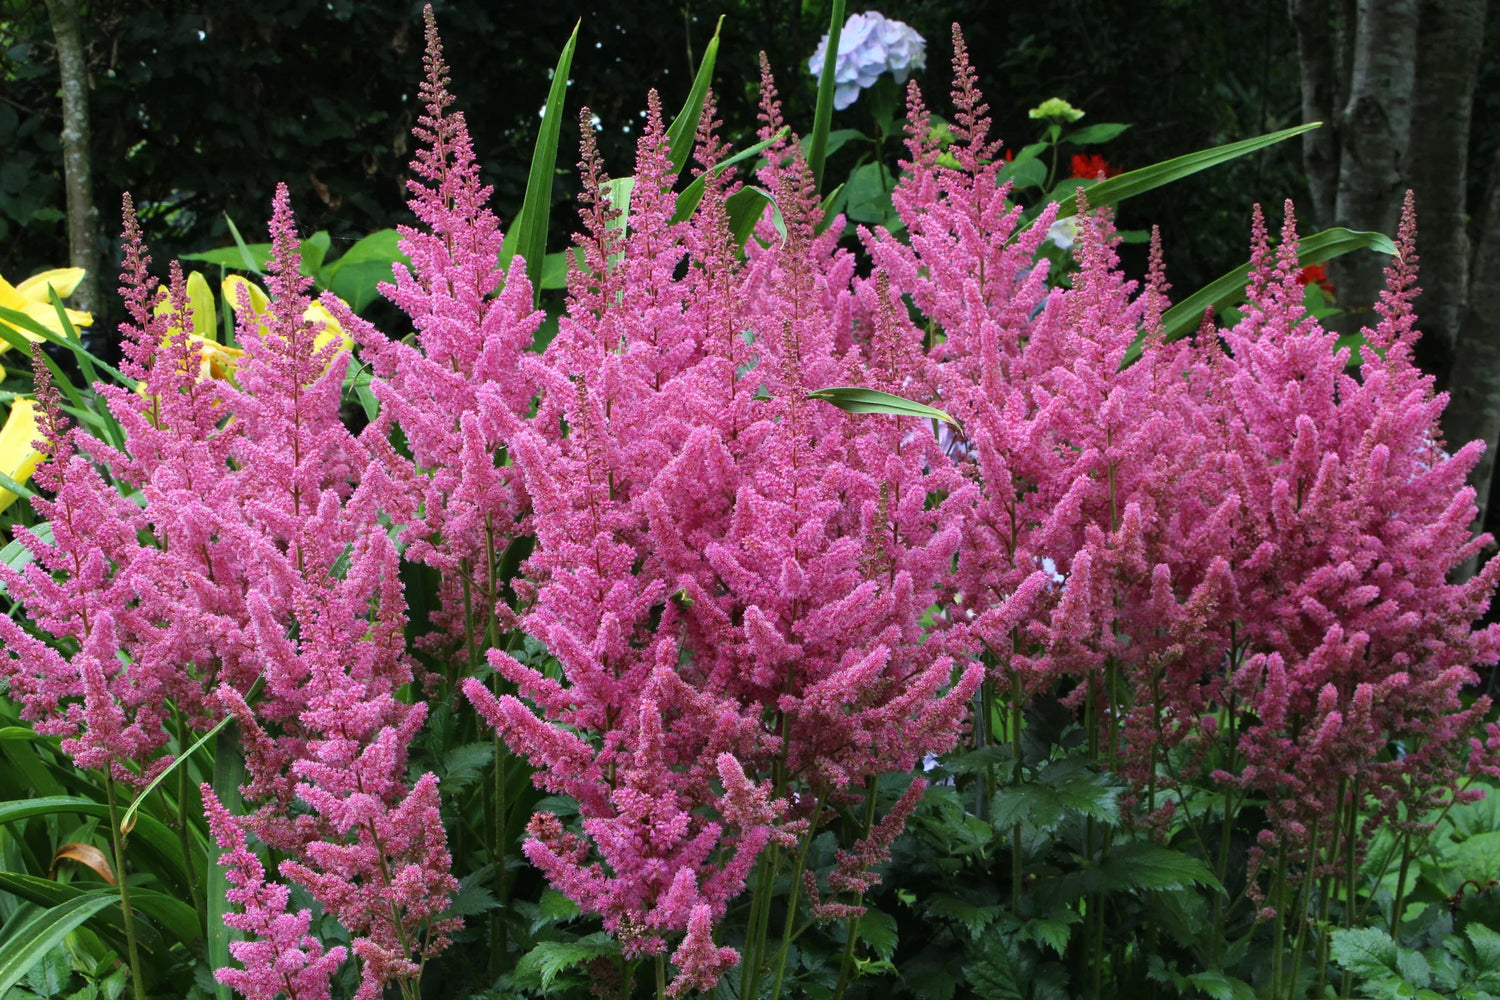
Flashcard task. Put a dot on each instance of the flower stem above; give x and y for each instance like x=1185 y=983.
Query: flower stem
x=117 y=838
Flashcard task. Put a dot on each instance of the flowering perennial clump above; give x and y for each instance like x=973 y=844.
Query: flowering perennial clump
x=1228 y=554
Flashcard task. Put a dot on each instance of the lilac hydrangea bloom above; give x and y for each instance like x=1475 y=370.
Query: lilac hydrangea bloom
x=869 y=45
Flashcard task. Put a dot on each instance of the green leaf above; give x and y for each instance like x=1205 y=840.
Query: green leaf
x=314 y=251
x=856 y=399
x=233 y=257
x=878 y=930
x=127 y=822
x=1144 y=865
x=356 y=276
x=247 y=259
x=1368 y=952
x=993 y=975
x=1054 y=933
x=548 y=959
x=528 y=233
x=30 y=942
x=974 y=917
x=1486 y=947
x=684 y=128
x=1222 y=987
x=150 y=831
x=1127 y=185
x=22 y=344
x=817 y=148
x=48 y=977
x=1094 y=134
x=463 y=764
x=745 y=209
x=691 y=195
x=1183 y=318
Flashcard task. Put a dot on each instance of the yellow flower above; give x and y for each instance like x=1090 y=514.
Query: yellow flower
x=260 y=303
x=18 y=455
x=31 y=297
x=218 y=360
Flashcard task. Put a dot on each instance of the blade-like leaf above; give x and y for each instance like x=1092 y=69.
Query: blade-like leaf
x=1134 y=182
x=684 y=128
x=1228 y=290
x=817 y=148
x=150 y=831
x=127 y=822
x=856 y=399
x=25 y=946
x=693 y=193
x=528 y=232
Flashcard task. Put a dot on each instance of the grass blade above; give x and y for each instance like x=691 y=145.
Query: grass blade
x=26 y=945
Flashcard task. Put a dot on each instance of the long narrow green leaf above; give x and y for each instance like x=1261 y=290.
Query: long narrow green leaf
x=113 y=432
x=691 y=195
x=528 y=232
x=817 y=149
x=856 y=399
x=1229 y=289
x=684 y=127
x=127 y=822
x=10 y=317
x=155 y=835
x=26 y=945
x=229 y=774
x=247 y=259
x=1127 y=185
x=46 y=892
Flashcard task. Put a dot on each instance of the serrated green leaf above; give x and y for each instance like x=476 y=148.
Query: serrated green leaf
x=550 y=958
x=1139 y=865
x=878 y=930
x=49 y=975
x=1053 y=933
x=463 y=764
x=1486 y=944
x=1222 y=987
x=857 y=399
x=1368 y=952
x=974 y=917
x=993 y=975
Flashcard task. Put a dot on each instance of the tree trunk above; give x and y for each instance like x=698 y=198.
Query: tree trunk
x=1450 y=34
x=1314 y=21
x=1474 y=409
x=1374 y=128
x=83 y=215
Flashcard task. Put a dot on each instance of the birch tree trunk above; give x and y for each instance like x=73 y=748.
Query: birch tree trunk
x=1450 y=35
x=1374 y=129
x=83 y=214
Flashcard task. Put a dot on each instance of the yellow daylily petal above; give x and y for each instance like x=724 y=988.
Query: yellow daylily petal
x=9 y=297
x=259 y=301
x=62 y=279
x=318 y=313
x=18 y=455
x=205 y=315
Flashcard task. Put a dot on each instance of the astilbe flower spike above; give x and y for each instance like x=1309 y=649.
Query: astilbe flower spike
x=732 y=584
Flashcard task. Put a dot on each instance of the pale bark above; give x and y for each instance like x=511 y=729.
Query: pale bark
x=1449 y=38
x=1474 y=408
x=1374 y=128
x=83 y=215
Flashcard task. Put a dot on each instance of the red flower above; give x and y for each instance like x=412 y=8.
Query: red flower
x=1090 y=165
x=1314 y=274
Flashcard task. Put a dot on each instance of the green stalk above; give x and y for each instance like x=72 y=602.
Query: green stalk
x=1278 y=883
x=1016 y=858
x=661 y=977
x=1303 y=899
x=791 y=905
x=760 y=915
x=194 y=895
x=1350 y=873
x=846 y=964
x=1400 y=899
x=117 y=838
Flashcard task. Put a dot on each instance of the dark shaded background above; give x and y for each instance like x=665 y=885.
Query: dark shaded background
x=200 y=106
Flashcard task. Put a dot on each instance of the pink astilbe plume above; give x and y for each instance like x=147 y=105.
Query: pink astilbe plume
x=459 y=392
x=733 y=584
x=255 y=578
x=1351 y=515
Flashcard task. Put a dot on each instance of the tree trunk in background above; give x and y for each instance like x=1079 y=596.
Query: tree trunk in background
x=1449 y=38
x=1314 y=21
x=1374 y=127
x=1474 y=410
x=83 y=215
